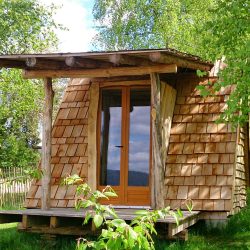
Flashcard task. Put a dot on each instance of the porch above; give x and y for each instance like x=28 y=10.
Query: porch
x=66 y=221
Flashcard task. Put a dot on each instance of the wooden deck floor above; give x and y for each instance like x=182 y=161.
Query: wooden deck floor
x=69 y=221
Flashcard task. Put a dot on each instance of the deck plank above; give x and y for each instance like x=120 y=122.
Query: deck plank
x=126 y=214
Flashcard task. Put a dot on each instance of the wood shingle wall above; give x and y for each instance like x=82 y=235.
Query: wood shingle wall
x=201 y=155
x=69 y=147
x=241 y=171
x=200 y=164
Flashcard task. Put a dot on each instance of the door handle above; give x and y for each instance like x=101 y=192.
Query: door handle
x=118 y=146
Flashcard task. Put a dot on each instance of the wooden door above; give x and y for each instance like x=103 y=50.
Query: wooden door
x=124 y=145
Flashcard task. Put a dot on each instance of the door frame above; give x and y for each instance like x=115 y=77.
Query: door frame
x=123 y=189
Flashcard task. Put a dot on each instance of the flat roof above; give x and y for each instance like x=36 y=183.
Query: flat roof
x=103 y=59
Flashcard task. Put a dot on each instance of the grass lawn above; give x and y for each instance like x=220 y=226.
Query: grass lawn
x=235 y=235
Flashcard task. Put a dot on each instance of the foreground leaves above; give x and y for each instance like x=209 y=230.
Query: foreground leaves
x=116 y=233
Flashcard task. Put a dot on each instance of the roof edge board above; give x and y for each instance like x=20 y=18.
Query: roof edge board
x=107 y=72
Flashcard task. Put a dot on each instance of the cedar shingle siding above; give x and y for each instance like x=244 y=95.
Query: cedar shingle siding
x=69 y=147
x=201 y=155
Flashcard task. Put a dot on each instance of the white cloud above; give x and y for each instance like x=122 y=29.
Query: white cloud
x=77 y=17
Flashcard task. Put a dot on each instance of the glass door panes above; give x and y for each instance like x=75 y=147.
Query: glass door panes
x=111 y=120
x=124 y=144
x=139 y=137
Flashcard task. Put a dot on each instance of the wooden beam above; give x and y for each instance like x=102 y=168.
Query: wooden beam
x=108 y=72
x=157 y=179
x=92 y=135
x=6 y=63
x=46 y=143
x=174 y=229
x=159 y=57
x=33 y=62
x=167 y=103
x=76 y=62
x=124 y=83
x=119 y=59
x=76 y=231
x=54 y=222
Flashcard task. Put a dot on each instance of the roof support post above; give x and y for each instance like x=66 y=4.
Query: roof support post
x=46 y=143
x=163 y=98
x=157 y=176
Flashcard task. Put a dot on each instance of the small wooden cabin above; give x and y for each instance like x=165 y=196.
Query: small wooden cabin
x=135 y=120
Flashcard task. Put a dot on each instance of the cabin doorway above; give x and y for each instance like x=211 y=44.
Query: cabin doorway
x=124 y=144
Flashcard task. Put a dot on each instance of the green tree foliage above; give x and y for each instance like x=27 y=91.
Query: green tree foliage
x=227 y=34
x=19 y=116
x=210 y=29
x=137 y=24
x=25 y=27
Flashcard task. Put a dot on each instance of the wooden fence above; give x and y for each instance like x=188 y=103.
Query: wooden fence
x=12 y=194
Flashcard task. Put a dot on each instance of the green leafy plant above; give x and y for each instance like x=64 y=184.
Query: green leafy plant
x=116 y=233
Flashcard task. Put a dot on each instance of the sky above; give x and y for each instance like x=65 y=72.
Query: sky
x=76 y=15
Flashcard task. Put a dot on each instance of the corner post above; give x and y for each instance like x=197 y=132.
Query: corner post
x=46 y=143
x=157 y=176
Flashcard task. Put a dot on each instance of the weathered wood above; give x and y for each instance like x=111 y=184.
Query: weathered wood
x=125 y=83
x=157 y=178
x=214 y=215
x=241 y=170
x=12 y=64
x=125 y=213
x=119 y=59
x=168 y=98
x=13 y=193
x=247 y=152
x=70 y=222
x=92 y=138
x=174 y=229
x=25 y=221
x=86 y=63
x=117 y=79
x=163 y=101
x=183 y=235
x=57 y=231
x=107 y=72
x=46 y=144
x=53 y=222
x=33 y=62
x=159 y=57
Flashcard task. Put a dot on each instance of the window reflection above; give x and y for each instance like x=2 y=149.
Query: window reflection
x=139 y=137
x=110 y=137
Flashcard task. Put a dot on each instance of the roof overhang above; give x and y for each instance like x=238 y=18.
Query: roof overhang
x=103 y=64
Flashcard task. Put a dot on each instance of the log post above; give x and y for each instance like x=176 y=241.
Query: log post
x=157 y=176
x=46 y=143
